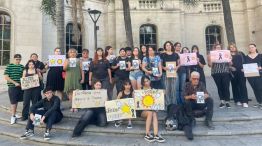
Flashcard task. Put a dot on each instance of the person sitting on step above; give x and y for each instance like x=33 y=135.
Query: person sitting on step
x=49 y=110
x=197 y=98
x=92 y=115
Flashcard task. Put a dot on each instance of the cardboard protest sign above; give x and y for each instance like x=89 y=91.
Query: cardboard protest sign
x=29 y=82
x=220 y=56
x=171 y=72
x=200 y=97
x=72 y=62
x=56 y=60
x=149 y=99
x=135 y=64
x=120 y=109
x=37 y=119
x=251 y=70
x=187 y=59
x=89 y=98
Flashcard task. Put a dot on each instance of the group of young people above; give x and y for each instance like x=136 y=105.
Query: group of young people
x=133 y=69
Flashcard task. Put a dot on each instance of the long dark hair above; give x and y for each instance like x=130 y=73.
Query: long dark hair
x=107 y=49
x=96 y=56
x=195 y=46
x=143 y=80
x=147 y=51
x=27 y=64
x=94 y=82
x=172 y=46
x=127 y=81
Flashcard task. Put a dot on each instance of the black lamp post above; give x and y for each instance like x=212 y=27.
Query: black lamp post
x=95 y=14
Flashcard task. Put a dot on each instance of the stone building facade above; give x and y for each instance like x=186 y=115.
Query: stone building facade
x=24 y=29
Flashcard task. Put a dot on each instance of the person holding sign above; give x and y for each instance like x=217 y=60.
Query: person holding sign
x=197 y=98
x=54 y=77
x=73 y=70
x=169 y=82
x=120 y=65
x=100 y=70
x=13 y=73
x=110 y=56
x=48 y=109
x=150 y=116
x=85 y=61
x=127 y=92
x=31 y=94
x=256 y=81
x=238 y=81
x=152 y=67
x=200 y=64
x=136 y=73
x=95 y=116
x=220 y=72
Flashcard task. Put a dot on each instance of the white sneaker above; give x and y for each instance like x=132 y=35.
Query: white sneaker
x=239 y=103
x=17 y=116
x=245 y=105
x=13 y=120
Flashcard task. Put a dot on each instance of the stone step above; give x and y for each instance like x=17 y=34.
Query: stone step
x=222 y=129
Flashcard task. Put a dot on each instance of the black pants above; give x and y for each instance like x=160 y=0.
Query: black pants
x=156 y=84
x=119 y=84
x=239 y=88
x=30 y=94
x=85 y=85
x=192 y=105
x=53 y=118
x=95 y=116
x=222 y=81
x=256 y=84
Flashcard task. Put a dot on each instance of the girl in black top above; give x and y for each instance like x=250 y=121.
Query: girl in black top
x=255 y=82
x=100 y=70
x=201 y=63
x=110 y=56
x=127 y=92
x=238 y=80
x=32 y=93
x=142 y=52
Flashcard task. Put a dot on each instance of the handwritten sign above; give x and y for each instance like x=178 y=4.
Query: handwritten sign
x=220 y=56
x=29 y=82
x=120 y=109
x=187 y=59
x=170 y=72
x=72 y=62
x=149 y=99
x=251 y=70
x=89 y=98
x=56 y=60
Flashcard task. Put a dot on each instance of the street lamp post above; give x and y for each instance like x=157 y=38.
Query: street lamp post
x=95 y=14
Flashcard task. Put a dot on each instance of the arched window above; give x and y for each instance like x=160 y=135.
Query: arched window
x=148 y=35
x=69 y=39
x=5 y=35
x=213 y=36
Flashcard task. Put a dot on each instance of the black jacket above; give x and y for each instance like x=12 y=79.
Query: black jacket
x=49 y=106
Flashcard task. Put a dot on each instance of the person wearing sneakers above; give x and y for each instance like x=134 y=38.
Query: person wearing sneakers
x=13 y=73
x=191 y=90
x=150 y=116
x=220 y=72
x=127 y=92
x=49 y=109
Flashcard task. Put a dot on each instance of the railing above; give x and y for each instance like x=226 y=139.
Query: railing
x=212 y=7
x=147 y=4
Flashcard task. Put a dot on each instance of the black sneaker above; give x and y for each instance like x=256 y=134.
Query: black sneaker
x=222 y=105
x=28 y=133
x=159 y=139
x=47 y=136
x=149 y=138
x=118 y=123
x=228 y=105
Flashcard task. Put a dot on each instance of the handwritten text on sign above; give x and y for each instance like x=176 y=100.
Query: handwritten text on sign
x=149 y=99
x=56 y=60
x=29 y=82
x=187 y=59
x=89 y=98
x=120 y=109
x=220 y=56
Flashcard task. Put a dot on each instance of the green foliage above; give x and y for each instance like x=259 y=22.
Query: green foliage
x=48 y=7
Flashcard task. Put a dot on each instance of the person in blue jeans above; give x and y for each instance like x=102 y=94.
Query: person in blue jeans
x=95 y=116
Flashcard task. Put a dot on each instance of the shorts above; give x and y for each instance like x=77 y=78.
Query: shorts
x=15 y=94
x=136 y=75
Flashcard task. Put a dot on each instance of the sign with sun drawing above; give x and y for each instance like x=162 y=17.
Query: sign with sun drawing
x=149 y=99
x=120 y=109
x=56 y=60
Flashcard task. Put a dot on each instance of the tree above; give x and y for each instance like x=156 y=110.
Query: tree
x=227 y=18
x=60 y=25
x=128 y=23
